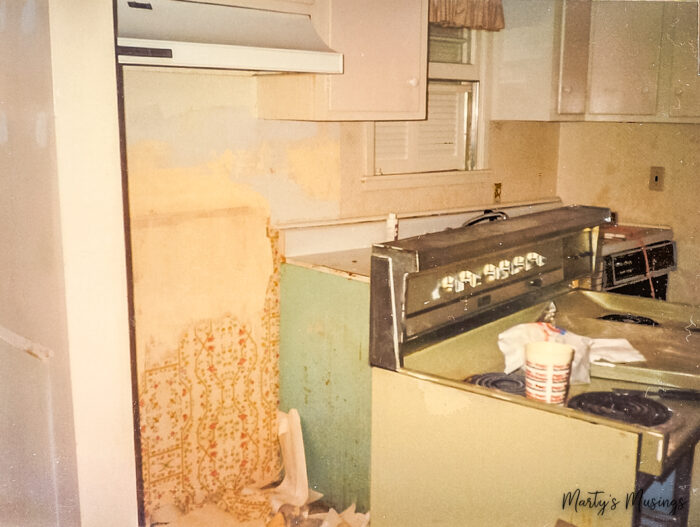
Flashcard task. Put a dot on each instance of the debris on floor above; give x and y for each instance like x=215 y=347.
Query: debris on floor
x=291 y=516
x=294 y=489
x=290 y=500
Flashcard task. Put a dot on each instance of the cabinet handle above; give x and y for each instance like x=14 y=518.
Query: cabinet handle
x=566 y=89
x=413 y=82
x=679 y=91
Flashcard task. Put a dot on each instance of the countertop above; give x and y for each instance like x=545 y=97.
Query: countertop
x=353 y=264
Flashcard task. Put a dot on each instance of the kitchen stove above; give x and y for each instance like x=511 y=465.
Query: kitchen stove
x=438 y=303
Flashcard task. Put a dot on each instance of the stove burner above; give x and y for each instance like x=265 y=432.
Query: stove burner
x=510 y=383
x=623 y=407
x=629 y=318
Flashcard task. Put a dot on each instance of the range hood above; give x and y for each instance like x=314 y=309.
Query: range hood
x=197 y=35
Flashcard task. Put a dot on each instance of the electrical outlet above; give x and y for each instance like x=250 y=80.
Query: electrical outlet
x=656 y=178
x=497 y=192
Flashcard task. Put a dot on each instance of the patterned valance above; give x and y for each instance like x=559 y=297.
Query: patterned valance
x=472 y=14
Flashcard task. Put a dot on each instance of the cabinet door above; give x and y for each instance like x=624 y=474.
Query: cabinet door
x=523 y=61
x=384 y=45
x=625 y=48
x=573 y=70
x=685 y=81
x=385 y=53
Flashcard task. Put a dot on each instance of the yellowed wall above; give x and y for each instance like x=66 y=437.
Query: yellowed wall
x=204 y=123
x=608 y=164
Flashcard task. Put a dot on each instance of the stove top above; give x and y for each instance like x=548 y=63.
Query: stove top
x=628 y=408
x=673 y=360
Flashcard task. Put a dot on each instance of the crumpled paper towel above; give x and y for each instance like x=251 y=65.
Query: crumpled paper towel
x=614 y=350
x=347 y=518
x=512 y=344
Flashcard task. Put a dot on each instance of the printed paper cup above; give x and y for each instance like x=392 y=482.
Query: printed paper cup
x=547 y=371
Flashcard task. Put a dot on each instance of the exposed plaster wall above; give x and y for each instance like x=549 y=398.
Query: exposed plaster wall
x=607 y=164
x=205 y=123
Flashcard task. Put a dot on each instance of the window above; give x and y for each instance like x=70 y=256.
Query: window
x=448 y=139
x=449 y=45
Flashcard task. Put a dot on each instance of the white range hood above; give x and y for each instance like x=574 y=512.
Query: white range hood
x=196 y=35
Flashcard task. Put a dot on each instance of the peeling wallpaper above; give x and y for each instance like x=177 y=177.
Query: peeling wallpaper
x=206 y=278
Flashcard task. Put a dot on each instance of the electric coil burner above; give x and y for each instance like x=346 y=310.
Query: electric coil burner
x=629 y=318
x=622 y=407
x=510 y=383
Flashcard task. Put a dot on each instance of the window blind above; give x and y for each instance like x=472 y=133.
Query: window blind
x=435 y=144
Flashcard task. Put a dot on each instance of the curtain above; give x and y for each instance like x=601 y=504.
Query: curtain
x=472 y=14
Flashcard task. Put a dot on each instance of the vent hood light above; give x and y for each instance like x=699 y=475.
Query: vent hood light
x=195 y=35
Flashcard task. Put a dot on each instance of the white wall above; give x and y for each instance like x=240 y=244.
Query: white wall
x=38 y=467
x=91 y=216
x=67 y=433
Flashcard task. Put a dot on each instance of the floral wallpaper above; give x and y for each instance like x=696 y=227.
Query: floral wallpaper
x=208 y=413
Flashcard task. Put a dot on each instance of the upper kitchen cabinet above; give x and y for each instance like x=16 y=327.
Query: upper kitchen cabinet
x=384 y=47
x=597 y=61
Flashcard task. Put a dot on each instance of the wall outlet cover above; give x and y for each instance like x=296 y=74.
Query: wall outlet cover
x=497 y=192
x=656 y=178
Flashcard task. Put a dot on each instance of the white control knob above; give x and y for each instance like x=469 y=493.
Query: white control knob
x=413 y=82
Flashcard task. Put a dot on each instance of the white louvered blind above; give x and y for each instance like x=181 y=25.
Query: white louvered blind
x=438 y=143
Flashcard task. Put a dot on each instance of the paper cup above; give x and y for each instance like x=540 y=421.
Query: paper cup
x=547 y=371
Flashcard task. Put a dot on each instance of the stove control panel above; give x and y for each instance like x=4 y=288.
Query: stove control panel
x=438 y=297
x=426 y=290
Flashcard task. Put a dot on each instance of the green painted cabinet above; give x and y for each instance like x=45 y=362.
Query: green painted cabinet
x=325 y=375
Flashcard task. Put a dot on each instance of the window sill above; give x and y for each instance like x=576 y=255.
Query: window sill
x=427 y=179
